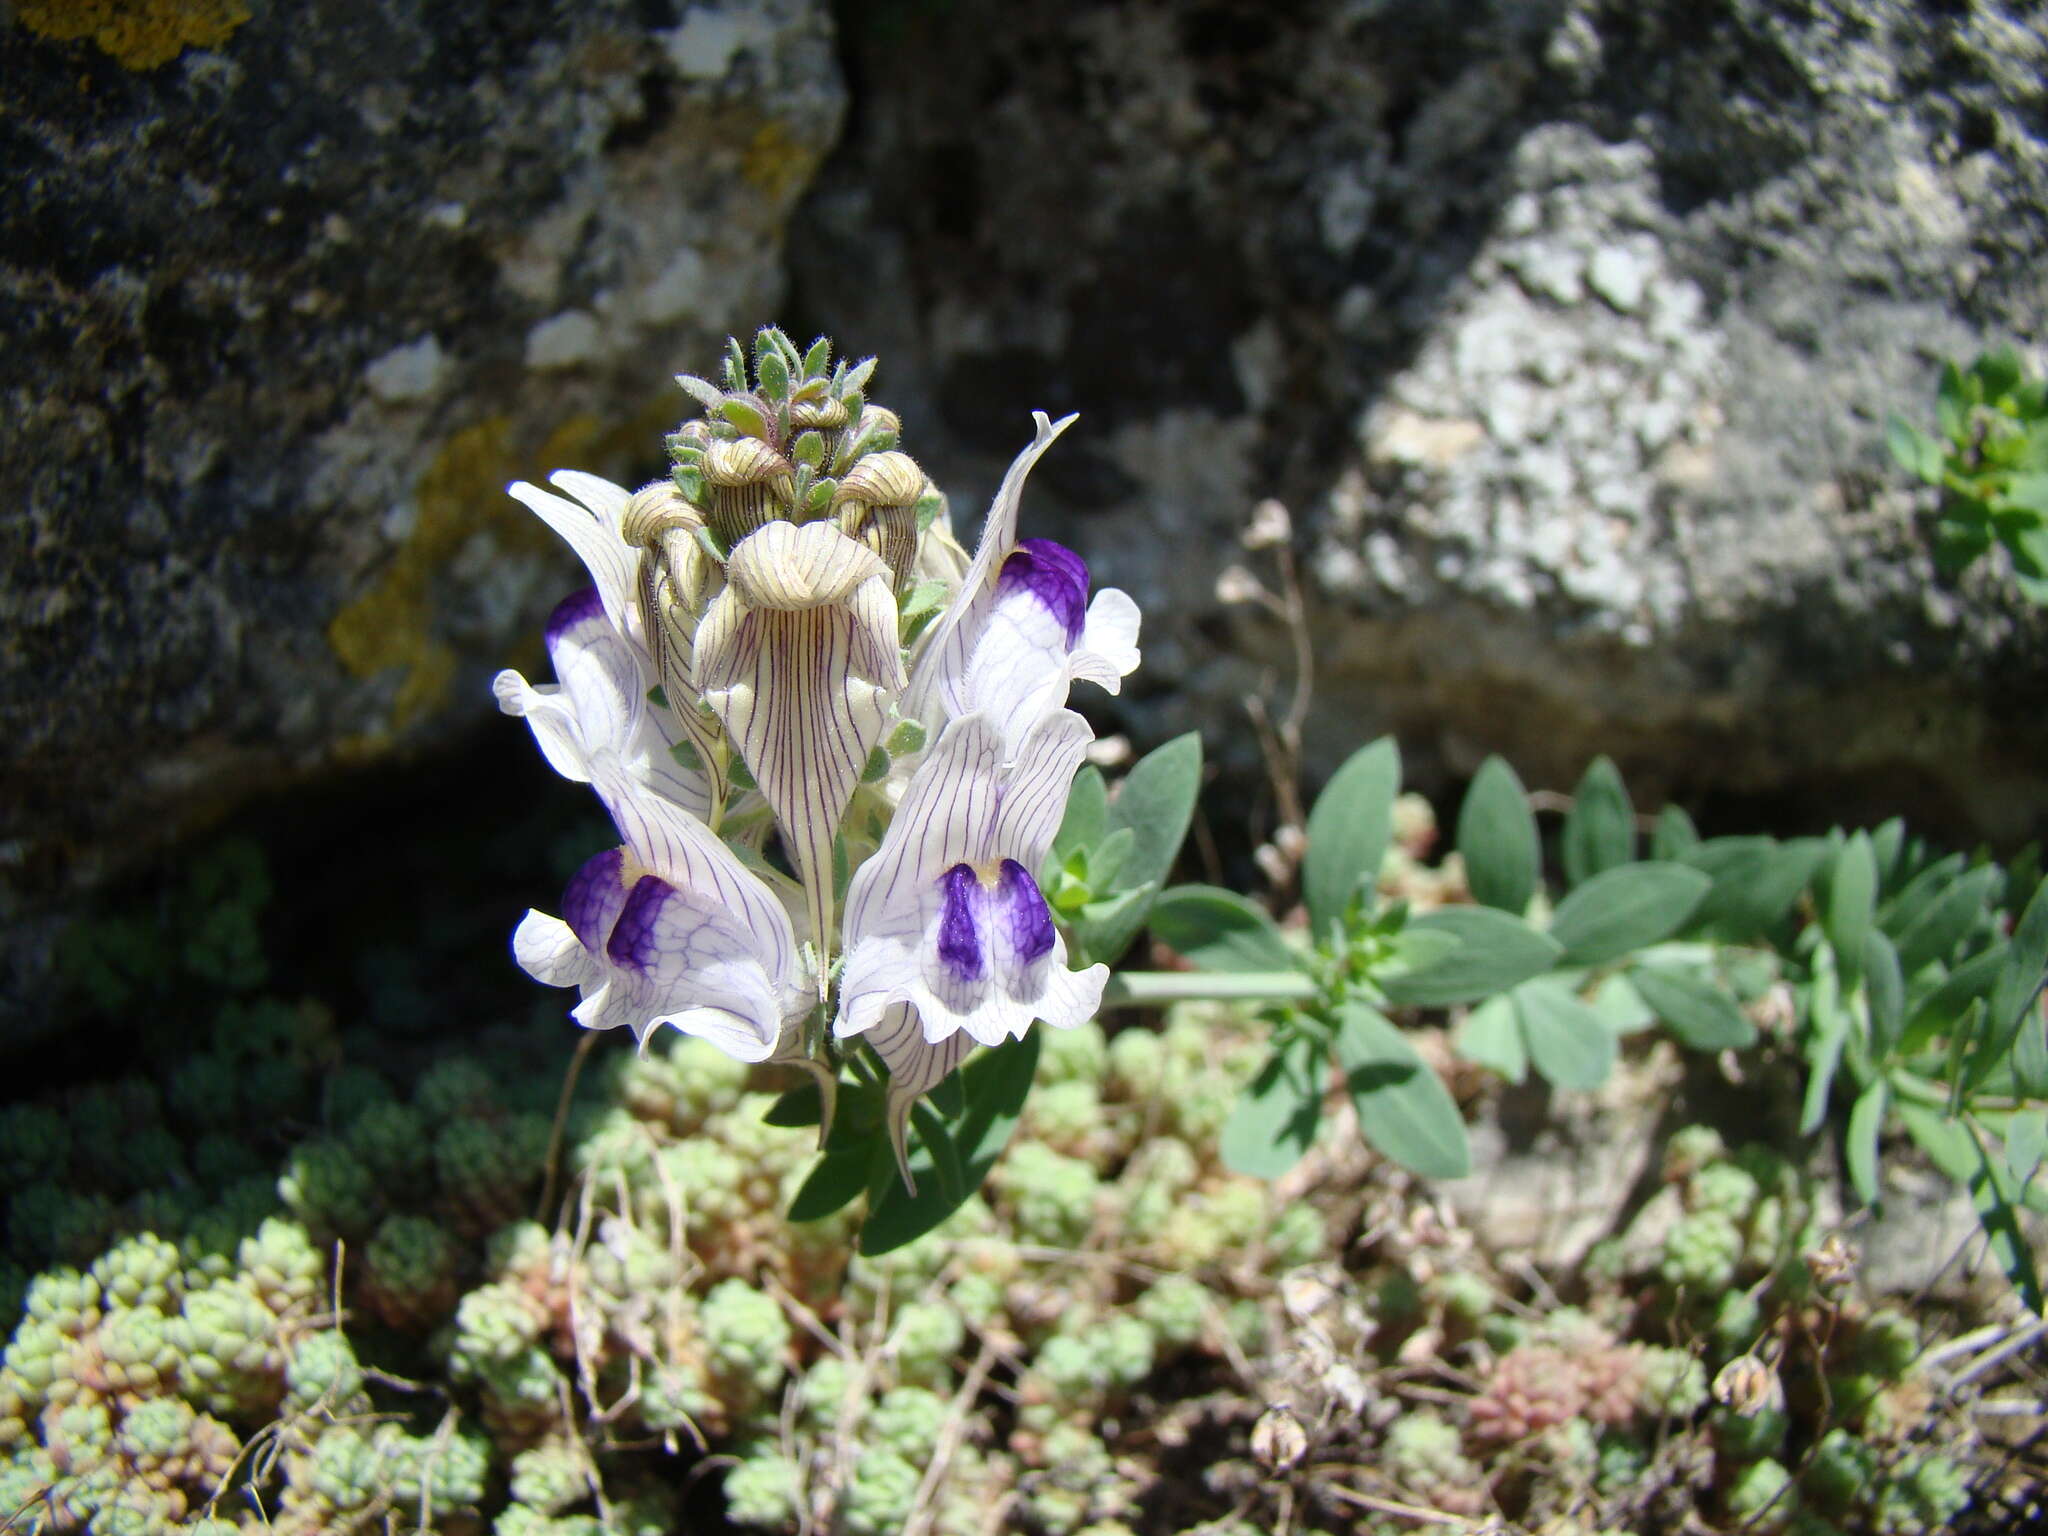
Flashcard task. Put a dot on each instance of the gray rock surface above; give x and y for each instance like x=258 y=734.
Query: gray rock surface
x=1567 y=331
x=278 y=320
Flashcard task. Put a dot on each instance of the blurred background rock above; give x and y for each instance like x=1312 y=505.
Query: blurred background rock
x=1567 y=332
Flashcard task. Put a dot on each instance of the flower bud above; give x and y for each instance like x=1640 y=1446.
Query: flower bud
x=1270 y=525
x=746 y=484
x=876 y=503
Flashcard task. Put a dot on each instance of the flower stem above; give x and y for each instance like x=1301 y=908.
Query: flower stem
x=1140 y=988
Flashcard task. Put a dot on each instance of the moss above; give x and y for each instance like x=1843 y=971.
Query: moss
x=137 y=34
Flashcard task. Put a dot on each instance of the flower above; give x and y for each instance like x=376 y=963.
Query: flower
x=1021 y=629
x=945 y=920
x=670 y=927
x=798 y=658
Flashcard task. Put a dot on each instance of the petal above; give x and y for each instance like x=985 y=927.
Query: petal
x=590 y=526
x=784 y=683
x=945 y=650
x=595 y=896
x=916 y=1066
x=665 y=839
x=1108 y=652
x=552 y=720
x=680 y=960
x=1034 y=793
x=549 y=951
x=944 y=819
x=600 y=671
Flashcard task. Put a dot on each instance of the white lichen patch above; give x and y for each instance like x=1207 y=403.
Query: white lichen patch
x=408 y=374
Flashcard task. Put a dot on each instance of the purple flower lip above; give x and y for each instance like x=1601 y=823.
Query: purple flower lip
x=1053 y=574
x=576 y=609
x=633 y=945
x=592 y=897
x=1030 y=918
x=960 y=940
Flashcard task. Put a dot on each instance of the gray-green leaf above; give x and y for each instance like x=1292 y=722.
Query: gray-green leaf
x=1219 y=930
x=1404 y=1110
x=1497 y=838
x=1566 y=1040
x=1625 y=908
x=1697 y=1011
x=1275 y=1120
x=1348 y=831
x=1600 y=829
x=1495 y=952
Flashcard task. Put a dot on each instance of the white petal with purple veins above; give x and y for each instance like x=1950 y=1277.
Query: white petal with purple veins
x=916 y=1066
x=590 y=526
x=548 y=950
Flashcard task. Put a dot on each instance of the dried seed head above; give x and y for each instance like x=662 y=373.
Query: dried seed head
x=1270 y=525
x=1833 y=1263
x=1278 y=1440
x=1748 y=1385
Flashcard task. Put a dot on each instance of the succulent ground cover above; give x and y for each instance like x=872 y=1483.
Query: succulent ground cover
x=451 y=1303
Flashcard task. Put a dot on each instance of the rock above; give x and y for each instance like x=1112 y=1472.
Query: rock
x=1568 y=332
x=289 y=297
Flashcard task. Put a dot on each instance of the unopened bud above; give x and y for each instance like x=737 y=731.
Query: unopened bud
x=1110 y=751
x=1278 y=1440
x=1270 y=525
x=746 y=484
x=1237 y=585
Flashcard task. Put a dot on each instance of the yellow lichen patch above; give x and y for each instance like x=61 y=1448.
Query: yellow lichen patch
x=777 y=163
x=139 y=34
x=462 y=494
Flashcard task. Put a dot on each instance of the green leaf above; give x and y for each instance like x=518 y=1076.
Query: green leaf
x=1884 y=990
x=1497 y=839
x=1938 y=1012
x=1756 y=880
x=1274 y=1122
x=1674 y=835
x=1496 y=951
x=1348 y=832
x=2029 y=493
x=1917 y=453
x=1945 y=1142
x=2030 y=1056
x=2026 y=1142
x=1219 y=930
x=994 y=1084
x=1952 y=404
x=1996 y=1195
x=838 y=1179
x=745 y=415
x=1998 y=374
x=1105 y=926
x=1404 y=1110
x=1946 y=920
x=1620 y=1005
x=1566 y=1040
x=1414 y=949
x=1107 y=858
x=1156 y=801
x=1625 y=908
x=1491 y=1036
x=1600 y=829
x=1866 y=1119
x=2025 y=966
x=1905 y=907
x=1087 y=815
x=1830 y=1030
x=1887 y=846
x=1697 y=1011
x=1852 y=899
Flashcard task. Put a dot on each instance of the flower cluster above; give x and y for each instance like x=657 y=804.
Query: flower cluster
x=789 y=681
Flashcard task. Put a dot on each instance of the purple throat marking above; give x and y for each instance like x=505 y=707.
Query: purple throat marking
x=960 y=941
x=1029 y=918
x=592 y=896
x=1053 y=574
x=577 y=609
x=632 y=945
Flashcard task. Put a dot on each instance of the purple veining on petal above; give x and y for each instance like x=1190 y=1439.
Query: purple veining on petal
x=960 y=943
x=591 y=898
x=1029 y=918
x=1053 y=574
x=577 y=608
x=632 y=945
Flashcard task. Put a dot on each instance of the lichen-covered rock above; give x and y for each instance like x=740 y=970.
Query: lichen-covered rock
x=1568 y=331
x=280 y=323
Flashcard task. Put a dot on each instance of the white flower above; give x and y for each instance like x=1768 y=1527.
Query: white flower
x=670 y=928
x=948 y=937
x=1021 y=629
